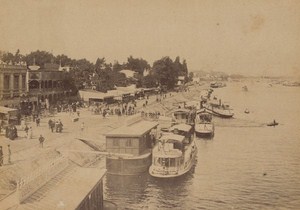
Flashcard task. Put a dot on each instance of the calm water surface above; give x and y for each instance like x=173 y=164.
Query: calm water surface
x=247 y=165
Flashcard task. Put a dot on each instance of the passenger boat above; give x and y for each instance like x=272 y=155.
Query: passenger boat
x=129 y=147
x=183 y=115
x=174 y=154
x=219 y=111
x=204 y=127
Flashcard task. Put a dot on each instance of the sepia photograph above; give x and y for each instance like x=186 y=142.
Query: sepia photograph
x=149 y=105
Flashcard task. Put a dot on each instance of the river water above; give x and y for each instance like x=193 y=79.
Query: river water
x=247 y=165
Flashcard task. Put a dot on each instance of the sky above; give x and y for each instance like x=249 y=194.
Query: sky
x=250 y=37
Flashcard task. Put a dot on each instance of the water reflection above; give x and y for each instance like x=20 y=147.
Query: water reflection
x=131 y=188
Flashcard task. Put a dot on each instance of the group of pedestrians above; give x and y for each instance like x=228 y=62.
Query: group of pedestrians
x=56 y=126
x=11 y=132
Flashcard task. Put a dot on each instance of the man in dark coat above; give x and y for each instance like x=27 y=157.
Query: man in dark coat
x=41 y=140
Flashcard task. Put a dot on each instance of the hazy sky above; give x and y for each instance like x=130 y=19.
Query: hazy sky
x=234 y=36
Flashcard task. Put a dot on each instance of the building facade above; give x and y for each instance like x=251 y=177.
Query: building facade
x=13 y=84
x=47 y=85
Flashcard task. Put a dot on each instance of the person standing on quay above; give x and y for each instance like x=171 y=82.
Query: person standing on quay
x=82 y=127
x=38 y=122
x=29 y=134
x=9 y=154
x=41 y=140
x=26 y=129
x=50 y=123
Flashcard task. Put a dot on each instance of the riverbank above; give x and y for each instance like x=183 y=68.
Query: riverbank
x=27 y=155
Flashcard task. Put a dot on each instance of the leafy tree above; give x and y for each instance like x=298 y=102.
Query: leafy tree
x=8 y=58
x=40 y=58
x=137 y=64
x=191 y=76
x=184 y=70
x=12 y=58
x=117 y=67
x=165 y=72
x=18 y=57
x=81 y=71
x=149 y=81
x=63 y=60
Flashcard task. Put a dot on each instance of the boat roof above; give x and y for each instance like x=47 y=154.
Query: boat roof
x=136 y=129
x=173 y=153
x=202 y=111
x=181 y=127
x=170 y=137
x=181 y=110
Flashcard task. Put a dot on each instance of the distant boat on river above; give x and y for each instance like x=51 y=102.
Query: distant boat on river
x=274 y=123
x=217 y=85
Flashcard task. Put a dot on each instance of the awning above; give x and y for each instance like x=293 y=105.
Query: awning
x=6 y=110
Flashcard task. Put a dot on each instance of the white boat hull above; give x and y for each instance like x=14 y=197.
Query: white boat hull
x=153 y=171
x=204 y=130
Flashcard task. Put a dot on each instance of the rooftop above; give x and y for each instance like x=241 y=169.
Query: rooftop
x=170 y=137
x=181 y=127
x=66 y=191
x=13 y=67
x=136 y=129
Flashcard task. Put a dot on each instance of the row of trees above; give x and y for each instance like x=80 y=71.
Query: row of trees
x=105 y=76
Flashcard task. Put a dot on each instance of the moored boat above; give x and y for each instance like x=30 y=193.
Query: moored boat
x=174 y=154
x=219 y=111
x=183 y=115
x=204 y=127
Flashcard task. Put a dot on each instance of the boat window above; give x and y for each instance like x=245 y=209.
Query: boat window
x=172 y=162
x=116 y=142
x=177 y=145
x=161 y=161
x=128 y=142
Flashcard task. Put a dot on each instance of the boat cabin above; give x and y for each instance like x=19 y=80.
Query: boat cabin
x=169 y=150
x=204 y=117
x=183 y=115
x=133 y=139
x=183 y=130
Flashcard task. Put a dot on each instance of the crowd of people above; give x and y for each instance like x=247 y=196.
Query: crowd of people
x=119 y=109
x=56 y=126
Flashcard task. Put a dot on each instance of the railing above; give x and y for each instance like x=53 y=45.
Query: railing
x=9 y=66
x=26 y=186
